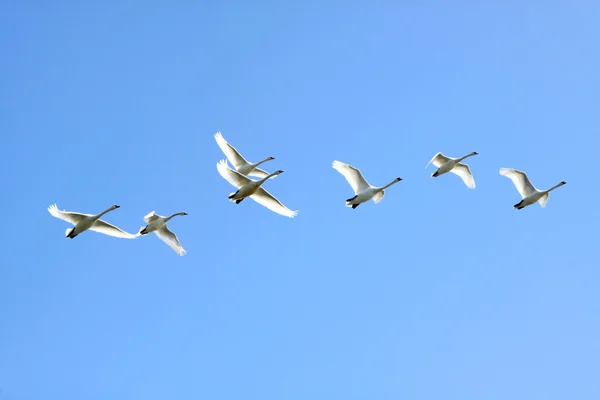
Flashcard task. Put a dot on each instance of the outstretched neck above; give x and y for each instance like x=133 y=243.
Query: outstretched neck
x=260 y=162
x=174 y=215
x=390 y=184
x=467 y=156
x=104 y=212
x=261 y=181
x=555 y=186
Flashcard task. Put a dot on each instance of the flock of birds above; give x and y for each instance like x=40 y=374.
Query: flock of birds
x=253 y=189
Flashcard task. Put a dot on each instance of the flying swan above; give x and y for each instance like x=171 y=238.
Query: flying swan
x=363 y=191
x=240 y=163
x=454 y=165
x=83 y=222
x=528 y=192
x=158 y=225
x=250 y=188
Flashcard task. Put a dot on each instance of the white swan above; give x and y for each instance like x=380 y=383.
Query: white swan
x=84 y=222
x=363 y=191
x=158 y=225
x=528 y=192
x=454 y=165
x=249 y=188
x=243 y=166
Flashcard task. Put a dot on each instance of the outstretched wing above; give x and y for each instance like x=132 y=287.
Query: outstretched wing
x=520 y=180
x=235 y=178
x=353 y=175
x=465 y=174
x=70 y=217
x=231 y=153
x=167 y=236
x=438 y=160
x=266 y=199
x=151 y=217
x=111 y=230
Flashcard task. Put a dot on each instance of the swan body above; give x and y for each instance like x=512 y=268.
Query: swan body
x=528 y=192
x=454 y=165
x=253 y=189
x=158 y=225
x=243 y=166
x=362 y=189
x=83 y=222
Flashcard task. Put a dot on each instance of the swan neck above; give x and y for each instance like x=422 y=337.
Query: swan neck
x=262 y=161
x=173 y=215
x=261 y=181
x=554 y=187
x=104 y=212
x=390 y=184
x=467 y=156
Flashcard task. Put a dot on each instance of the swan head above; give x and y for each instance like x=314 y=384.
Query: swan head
x=398 y=179
x=115 y=206
x=474 y=153
x=563 y=183
x=270 y=158
x=279 y=171
x=183 y=213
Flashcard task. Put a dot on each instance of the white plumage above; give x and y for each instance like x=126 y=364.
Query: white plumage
x=253 y=189
x=454 y=165
x=362 y=189
x=84 y=222
x=242 y=165
x=529 y=193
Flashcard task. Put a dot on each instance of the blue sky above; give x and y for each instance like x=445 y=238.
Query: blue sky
x=438 y=292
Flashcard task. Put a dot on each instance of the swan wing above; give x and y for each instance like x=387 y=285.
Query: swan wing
x=235 y=178
x=465 y=174
x=231 y=153
x=438 y=160
x=151 y=217
x=259 y=173
x=111 y=230
x=353 y=175
x=378 y=196
x=167 y=236
x=543 y=200
x=266 y=199
x=71 y=217
x=520 y=180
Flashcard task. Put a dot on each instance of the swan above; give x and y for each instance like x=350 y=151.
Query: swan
x=83 y=222
x=250 y=188
x=243 y=166
x=528 y=192
x=158 y=225
x=454 y=165
x=363 y=191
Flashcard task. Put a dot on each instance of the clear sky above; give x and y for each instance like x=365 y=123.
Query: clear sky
x=438 y=292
